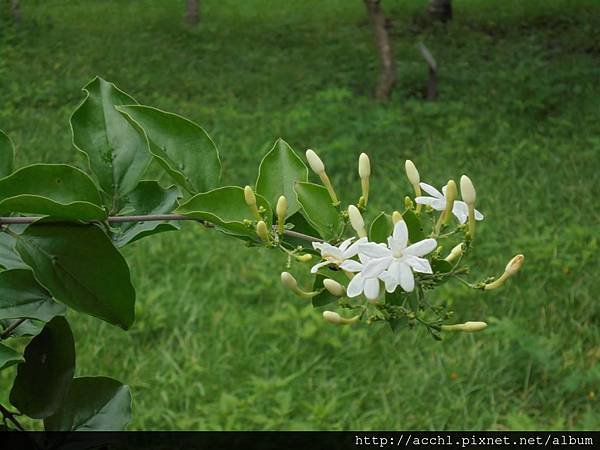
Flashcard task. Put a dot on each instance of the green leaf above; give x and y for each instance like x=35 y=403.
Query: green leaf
x=300 y=225
x=8 y=357
x=93 y=404
x=279 y=170
x=226 y=208
x=415 y=231
x=7 y=155
x=440 y=265
x=44 y=378
x=147 y=198
x=9 y=258
x=28 y=327
x=81 y=268
x=183 y=148
x=56 y=190
x=318 y=210
x=325 y=297
x=117 y=152
x=22 y=296
x=381 y=228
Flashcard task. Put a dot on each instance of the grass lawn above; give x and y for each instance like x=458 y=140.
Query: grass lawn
x=218 y=343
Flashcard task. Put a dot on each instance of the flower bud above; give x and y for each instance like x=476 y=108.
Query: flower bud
x=336 y=319
x=288 y=280
x=514 y=265
x=281 y=211
x=451 y=193
x=250 y=199
x=467 y=326
x=334 y=287
x=412 y=173
x=455 y=253
x=304 y=258
x=315 y=162
x=262 y=231
x=364 y=166
x=356 y=220
x=467 y=190
x=408 y=203
x=396 y=217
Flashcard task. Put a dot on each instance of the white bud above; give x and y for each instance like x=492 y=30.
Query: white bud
x=334 y=287
x=288 y=280
x=396 y=217
x=249 y=196
x=364 y=166
x=412 y=173
x=315 y=162
x=467 y=190
x=336 y=319
x=467 y=327
x=262 y=231
x=514 y=265
x=451 y=193
x=356 y=220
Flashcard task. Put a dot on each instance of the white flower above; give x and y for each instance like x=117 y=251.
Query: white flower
x=336 y=255
x=366 y=280
x=438 y=202
x=395 y=263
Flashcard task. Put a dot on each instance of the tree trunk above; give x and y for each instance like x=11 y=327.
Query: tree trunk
x=440 y=10
x=432 y=67
x=192 y=12
x=15 y=11
x=387 y=75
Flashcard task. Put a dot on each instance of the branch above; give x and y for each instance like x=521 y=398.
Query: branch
x=7 y=415
x=11 y=328
x=148 y=218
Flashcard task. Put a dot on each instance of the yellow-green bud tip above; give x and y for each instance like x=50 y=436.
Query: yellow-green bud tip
x=451 y=192
x=396 y=217
x=514 y=265
x=334 y=287
x=336 y=319
x=249 y=196
x=455 y=253
x=262 y=230
x=364 y=166
x=467 y=190
x=288 y=280
x=411 y=172
x=315 y=162
x=466 y=327
x=282 y=205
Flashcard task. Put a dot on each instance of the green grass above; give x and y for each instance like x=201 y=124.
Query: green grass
x=218 y=343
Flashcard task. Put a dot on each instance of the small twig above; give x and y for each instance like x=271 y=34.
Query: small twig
x=11 y=328
x=147 y=218
x=7 y=415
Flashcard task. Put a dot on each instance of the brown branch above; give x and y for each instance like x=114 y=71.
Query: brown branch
x=149 y=218
x=387 y=74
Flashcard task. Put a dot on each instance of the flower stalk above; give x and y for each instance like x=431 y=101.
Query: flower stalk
x=512 y=268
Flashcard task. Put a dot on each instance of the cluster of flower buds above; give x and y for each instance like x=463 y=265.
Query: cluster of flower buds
x=397 y=263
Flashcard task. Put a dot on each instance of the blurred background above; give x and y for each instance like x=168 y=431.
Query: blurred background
x=218 y=343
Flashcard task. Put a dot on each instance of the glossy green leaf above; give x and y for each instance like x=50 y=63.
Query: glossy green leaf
x=318 y=209
x=22 y=296
x=44 y=378
x=381 y=228
x=226 y=208
x=56 y=190
x=117 y=151
x=147 y=198
x=300 y=225
x=279 y=170
x=183 y=148
x=9 y=258
x=325 y=297
x=81 y=268
x=93 y=404
x=415 y=231
x=441 y=265
x=7 y=155
x=8 y=357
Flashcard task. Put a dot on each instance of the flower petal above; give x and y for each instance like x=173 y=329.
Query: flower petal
x=316 y=267
x=344 y=245
x=375 y=267
x=352 y=250
x=400 y=234
x=356 y=286
x=460 y=210
x=478 y=215
x=407 y=280
x=431 y=190
x=391 y=283
x=373 y=250
x=372 y=288
x=419 y=264
x=421 y=248
x=428 y=201
x=351 y=266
